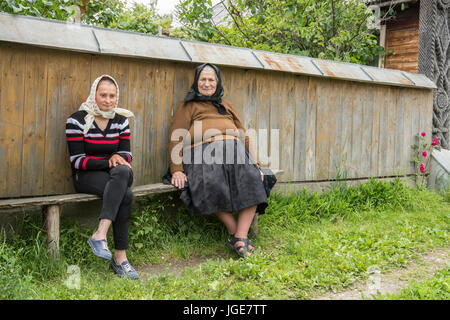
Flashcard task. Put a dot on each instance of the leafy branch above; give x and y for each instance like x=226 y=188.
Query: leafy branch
x=323 y=29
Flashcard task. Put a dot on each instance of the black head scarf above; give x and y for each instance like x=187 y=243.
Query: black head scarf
x=216 y=98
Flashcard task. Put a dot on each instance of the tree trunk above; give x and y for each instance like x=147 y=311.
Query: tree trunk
x=83 y=6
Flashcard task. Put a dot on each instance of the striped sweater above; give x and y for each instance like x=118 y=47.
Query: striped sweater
x=91 y=151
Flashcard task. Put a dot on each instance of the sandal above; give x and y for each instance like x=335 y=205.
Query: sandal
x=250 y=243
x=229 y=242
x=240 y=250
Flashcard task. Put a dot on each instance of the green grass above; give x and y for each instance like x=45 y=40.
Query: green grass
x=308 y=244
x=436 y=287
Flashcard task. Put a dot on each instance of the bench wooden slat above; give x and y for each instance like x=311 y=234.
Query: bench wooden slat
x=52 y=208
x=138 y=191
x=152 y=189
x=45 y=200
x=79 y=197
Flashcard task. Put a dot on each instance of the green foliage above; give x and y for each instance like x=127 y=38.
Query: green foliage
x=308 y=244
x=103 y=13
x=343 y=200
x=159 y=225
x=327 y=29
x=138 y=19
x=148 y=226
x=436 y=287
x=196 y=17
x=13 y=278
x=112 y=14
x=55 y=9
x=115 y=15
x=25 y=261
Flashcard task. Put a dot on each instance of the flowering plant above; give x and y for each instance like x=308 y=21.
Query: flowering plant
x=423 y=150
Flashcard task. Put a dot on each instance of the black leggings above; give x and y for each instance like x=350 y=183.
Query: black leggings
x=113 y=186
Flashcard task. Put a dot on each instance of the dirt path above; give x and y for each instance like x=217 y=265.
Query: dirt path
x=391 y=282
x=175 y=267
x=395 y=280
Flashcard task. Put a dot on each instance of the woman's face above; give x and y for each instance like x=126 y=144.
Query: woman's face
x=207 y=82
x=106 y=95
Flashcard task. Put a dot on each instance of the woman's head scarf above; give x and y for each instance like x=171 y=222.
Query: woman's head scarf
x=92 y=109
x=216 y=98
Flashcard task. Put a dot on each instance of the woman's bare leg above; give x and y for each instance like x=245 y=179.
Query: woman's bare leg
x=245 y=219
x=240 y=228
x=120 y=256
x=228 y=220
x=102 y=231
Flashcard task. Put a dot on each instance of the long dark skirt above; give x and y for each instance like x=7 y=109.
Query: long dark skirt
x=222 y=177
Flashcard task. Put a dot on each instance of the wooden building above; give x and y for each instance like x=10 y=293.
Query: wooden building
x=402 y=39
x=417 y=40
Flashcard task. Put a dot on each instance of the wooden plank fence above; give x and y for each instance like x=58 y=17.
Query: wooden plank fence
x=326 y=126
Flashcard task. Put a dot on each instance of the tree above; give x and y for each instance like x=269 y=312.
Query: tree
x=327 y=29
x=103 y=13
x=56 y=9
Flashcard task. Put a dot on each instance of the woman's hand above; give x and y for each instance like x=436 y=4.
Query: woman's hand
x=116 y=160
x=262 y=175
x=178 y=179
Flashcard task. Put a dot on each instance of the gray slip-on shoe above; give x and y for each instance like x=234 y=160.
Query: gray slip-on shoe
x=100 y=248
x=124 y=270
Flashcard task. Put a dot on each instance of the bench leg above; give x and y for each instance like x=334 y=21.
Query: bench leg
x=254 y=226
x=51 y=214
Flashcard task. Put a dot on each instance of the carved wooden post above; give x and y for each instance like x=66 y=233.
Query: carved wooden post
x=434 y=61
x=51 y=214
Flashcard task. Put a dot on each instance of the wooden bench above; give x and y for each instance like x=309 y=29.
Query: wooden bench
x=51 y=208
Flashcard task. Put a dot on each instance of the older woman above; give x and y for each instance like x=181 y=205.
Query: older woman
x=98 y=137
x=207 y=153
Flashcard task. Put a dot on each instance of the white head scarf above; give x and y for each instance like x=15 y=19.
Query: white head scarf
x=92 y=109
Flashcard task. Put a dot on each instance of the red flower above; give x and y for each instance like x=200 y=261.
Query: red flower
x=423 y=134
x=422 y=167
x=424 y=154
x=435 y=142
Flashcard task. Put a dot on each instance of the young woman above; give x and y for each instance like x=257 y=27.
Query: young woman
x=98 y=137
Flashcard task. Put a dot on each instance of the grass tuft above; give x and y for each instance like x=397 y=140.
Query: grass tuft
x=308 y=244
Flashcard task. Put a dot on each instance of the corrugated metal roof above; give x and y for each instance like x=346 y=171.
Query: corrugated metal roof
x=287 y=63
x=387 y=76
x=420 y=80
x=139 y=45
x=340 y=70
x=47 y=33
x=84 y=38
x=222 y=55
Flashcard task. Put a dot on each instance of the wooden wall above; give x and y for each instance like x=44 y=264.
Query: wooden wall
x=402 y=40
x=324 y=125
